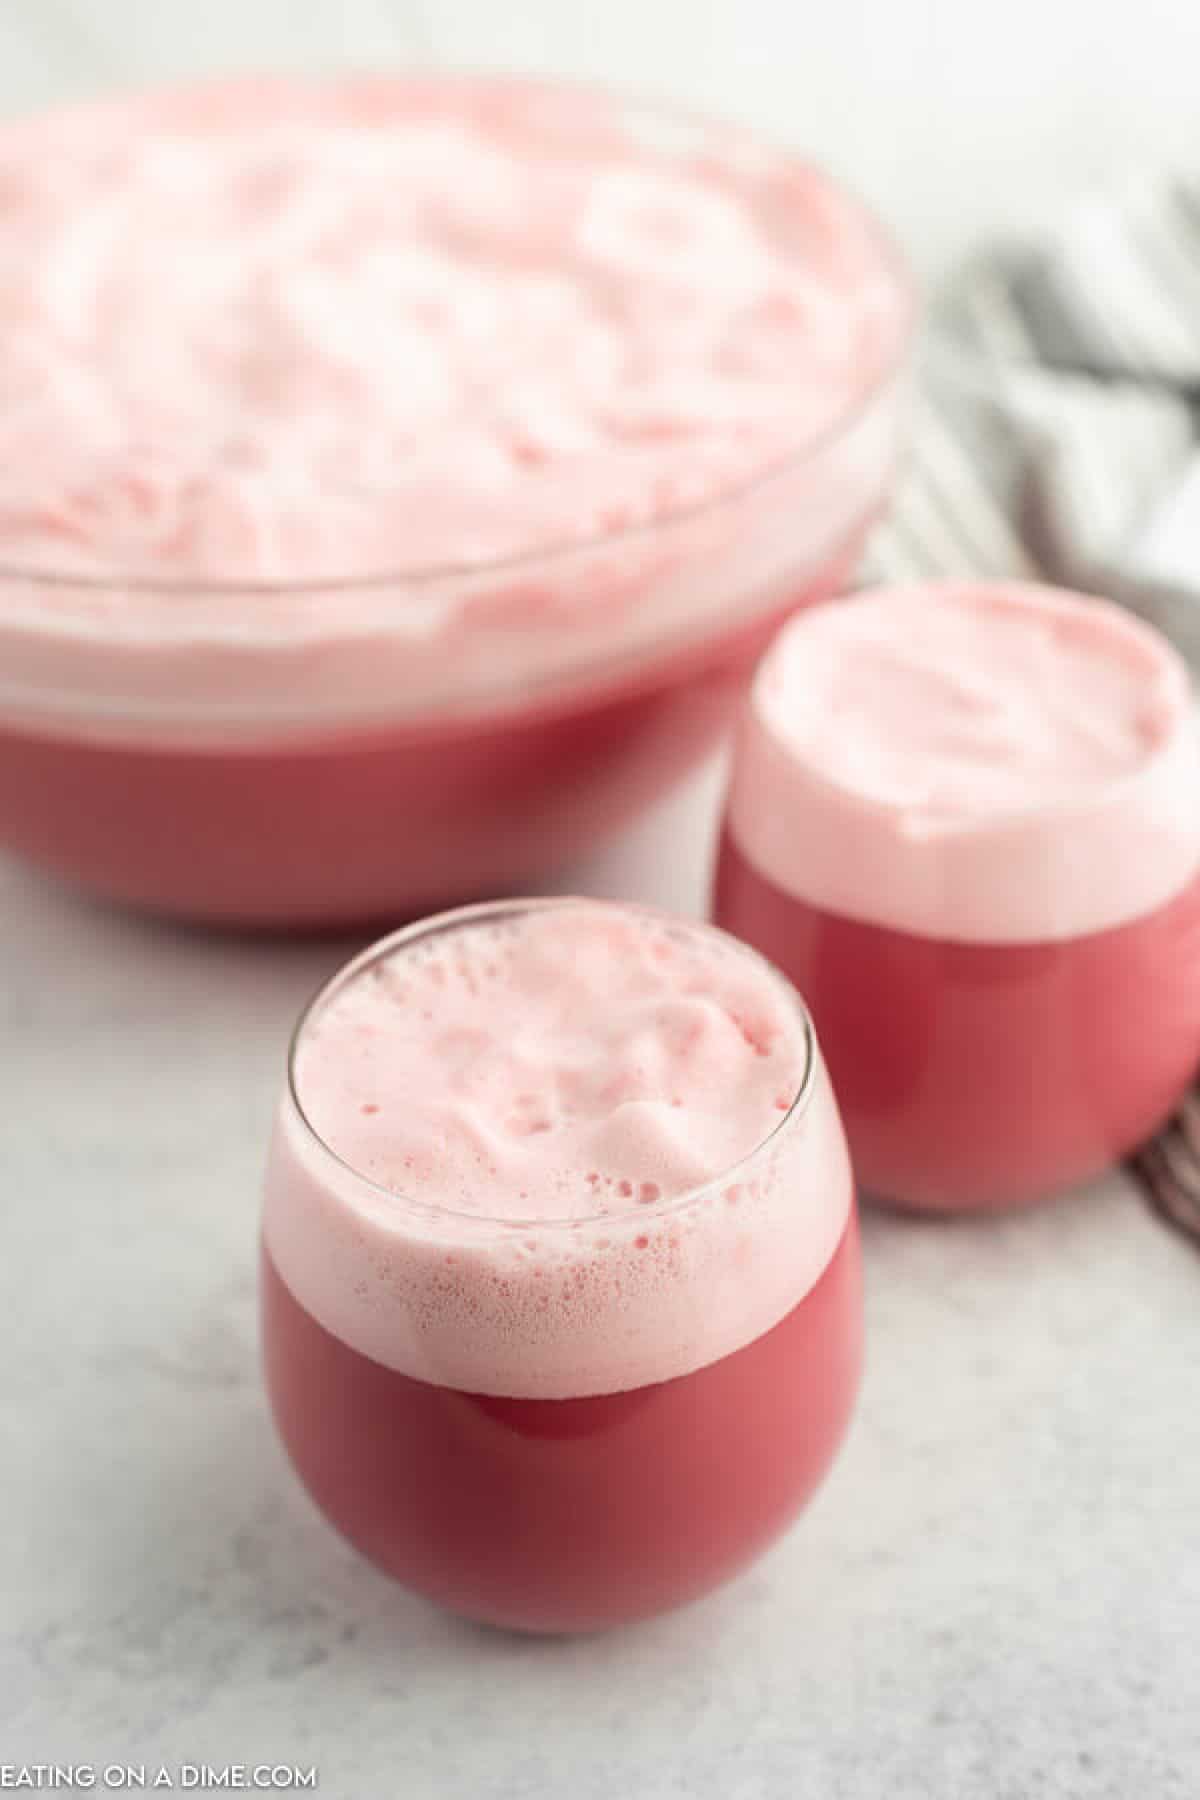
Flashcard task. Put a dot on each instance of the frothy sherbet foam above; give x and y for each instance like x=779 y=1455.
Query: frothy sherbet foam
x=332 y=330
x=520 y=1111
x=971 y=762
x=289 y=331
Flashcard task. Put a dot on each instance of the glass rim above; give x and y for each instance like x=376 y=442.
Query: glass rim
x=462 y=918
x=892 y=261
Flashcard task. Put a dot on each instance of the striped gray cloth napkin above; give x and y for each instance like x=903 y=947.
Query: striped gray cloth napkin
x=1057 y=438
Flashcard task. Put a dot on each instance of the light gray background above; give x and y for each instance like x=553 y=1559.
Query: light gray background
x=958 y=116
x=998 y=1592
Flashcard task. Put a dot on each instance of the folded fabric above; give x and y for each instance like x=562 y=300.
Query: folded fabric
x=1056 y=437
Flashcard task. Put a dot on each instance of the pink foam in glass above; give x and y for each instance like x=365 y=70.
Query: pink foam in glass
x=561 y=1304
x=376 y=440
x=966 y=821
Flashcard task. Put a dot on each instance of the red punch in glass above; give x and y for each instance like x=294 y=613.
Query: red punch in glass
x=560 y=1278
x=966 y=822
x=402 y=484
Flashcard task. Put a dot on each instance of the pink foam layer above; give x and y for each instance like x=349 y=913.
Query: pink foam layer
x=990 y=762
x=277 y=332
x=553 y=1157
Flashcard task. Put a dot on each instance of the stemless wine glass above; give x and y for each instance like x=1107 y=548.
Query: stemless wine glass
x=1008 y=995
x=562 y=1423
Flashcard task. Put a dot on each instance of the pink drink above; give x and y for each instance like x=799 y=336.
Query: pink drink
x=561 y=1306
x=966 y=822
x=340 y=825
x=372 y=439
